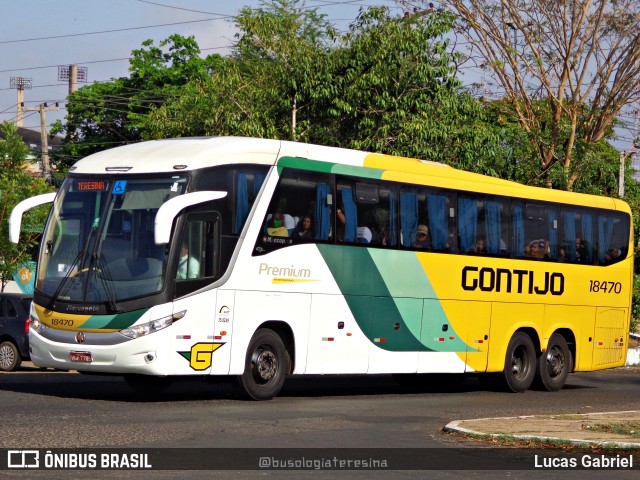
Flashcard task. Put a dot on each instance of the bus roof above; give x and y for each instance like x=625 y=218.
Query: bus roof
x=183 y=154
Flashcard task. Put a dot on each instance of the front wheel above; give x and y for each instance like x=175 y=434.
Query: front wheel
x=266 y=366
x=555 y=364
x=520 y=363
x=9 y=356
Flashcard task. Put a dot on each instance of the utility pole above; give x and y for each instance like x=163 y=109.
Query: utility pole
x=20 y=84
x=44 y=140
x=623 y=155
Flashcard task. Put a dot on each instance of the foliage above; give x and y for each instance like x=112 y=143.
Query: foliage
x=378 y=88
x=397 y=93
x=284 y=46
x=15 y=186
x=582 y=58
x=108 y=114
x=270 y=86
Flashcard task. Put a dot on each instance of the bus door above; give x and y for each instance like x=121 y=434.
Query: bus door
x=201 y=336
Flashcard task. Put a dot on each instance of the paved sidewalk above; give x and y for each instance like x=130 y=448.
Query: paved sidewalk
x=577 y=429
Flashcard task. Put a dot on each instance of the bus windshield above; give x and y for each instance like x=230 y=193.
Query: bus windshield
x=98 y=245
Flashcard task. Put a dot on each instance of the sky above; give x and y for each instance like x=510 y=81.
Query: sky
x=38 y=36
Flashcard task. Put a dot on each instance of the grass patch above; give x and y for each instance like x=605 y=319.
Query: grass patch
x=630 y=429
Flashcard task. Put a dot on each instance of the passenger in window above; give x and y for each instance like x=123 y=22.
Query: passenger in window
x=341 y=218
x=538 y=249
x=612 y=255
x=479 y=246
x=188 y=267
x=562 y=254
x=378 y=236
x=533 y=249
x=422 y=238
x=304 y=229
x=275 y=226
x=581 y=250
x=341 y=223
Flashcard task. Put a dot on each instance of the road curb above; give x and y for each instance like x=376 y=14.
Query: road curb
x=633 y=357
x=491 y=428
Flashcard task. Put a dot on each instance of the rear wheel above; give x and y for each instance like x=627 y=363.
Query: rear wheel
x=520 y=363
x=555 y=364
x=9 y=356
x=266 y=365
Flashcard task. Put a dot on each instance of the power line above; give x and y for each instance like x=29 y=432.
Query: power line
x=177 y=8
x=20 y=69
x=110 y=31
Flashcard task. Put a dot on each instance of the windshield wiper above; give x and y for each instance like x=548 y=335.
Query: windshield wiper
x=78 y=261
x=102 y=272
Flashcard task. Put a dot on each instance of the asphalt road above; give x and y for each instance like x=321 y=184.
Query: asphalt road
x=51 y=410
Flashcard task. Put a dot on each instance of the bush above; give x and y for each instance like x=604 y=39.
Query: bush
x=635 y=303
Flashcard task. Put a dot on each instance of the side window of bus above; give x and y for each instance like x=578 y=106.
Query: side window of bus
x=428 y=220
x=200 y=247
x=201 y=257
x=246 y=186
x=577 y=233
x=483 y=225
x=300 y=211
x=535 y=231
x=613 y=238
x=365 y=213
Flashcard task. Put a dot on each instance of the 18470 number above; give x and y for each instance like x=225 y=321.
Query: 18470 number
x=604 y=287
x=62 y=322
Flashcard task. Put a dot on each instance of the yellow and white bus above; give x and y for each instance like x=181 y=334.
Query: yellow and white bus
x=255 y=259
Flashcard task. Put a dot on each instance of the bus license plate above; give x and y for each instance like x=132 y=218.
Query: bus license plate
x=82 y=357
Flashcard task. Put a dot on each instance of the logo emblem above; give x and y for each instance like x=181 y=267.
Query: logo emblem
x=79 y=337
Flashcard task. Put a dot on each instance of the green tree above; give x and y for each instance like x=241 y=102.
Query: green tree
x=375 y=88
x=397 y=93
x=270 y=86
x=578 y=61
x=15 y=186
x=109 y=114
x=284 y=46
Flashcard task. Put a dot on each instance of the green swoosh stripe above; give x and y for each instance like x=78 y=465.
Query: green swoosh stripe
x=391 y=298
x=377 y=313
x=114 y=322
x=327 y=167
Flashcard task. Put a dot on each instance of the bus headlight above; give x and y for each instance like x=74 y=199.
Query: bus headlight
x=35 y=324
x=141 y=330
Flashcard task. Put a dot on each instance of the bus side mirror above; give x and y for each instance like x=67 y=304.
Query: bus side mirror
x=15 y=220
x=170 y=209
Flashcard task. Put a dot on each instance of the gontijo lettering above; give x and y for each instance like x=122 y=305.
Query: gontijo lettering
x=512 y=281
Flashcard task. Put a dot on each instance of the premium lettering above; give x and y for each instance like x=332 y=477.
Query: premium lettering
x=488 y=279
x=284 y=271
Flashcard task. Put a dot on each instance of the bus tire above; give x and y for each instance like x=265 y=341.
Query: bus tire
x=9 y=356
x=555 y=364
x=266 y=366
x=520 y=363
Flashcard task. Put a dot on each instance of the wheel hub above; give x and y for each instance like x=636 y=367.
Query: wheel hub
x=6 y=357
x=555 y=362
x=266 y=365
